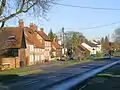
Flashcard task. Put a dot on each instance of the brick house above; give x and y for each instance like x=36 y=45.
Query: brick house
x=12 y=47
x=20 y=46
x=35 y=47
x=48 y=44
x=23 y=46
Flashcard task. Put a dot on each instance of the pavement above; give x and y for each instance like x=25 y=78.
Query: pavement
x=58 y=75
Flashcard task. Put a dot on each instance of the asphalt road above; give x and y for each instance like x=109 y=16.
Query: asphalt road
x=41 y=81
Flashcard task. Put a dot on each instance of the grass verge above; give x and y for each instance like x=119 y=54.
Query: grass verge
x=14 y=75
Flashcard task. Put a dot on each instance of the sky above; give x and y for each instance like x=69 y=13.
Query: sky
x=74 y=18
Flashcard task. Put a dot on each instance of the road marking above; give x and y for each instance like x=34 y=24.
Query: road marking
x=82 y=87
x=51 y=76
x=4 y=88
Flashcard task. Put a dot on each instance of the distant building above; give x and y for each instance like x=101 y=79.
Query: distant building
x=93 y=46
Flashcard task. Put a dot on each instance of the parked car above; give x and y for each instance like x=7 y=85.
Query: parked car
x=92 y=56
x=107 y=56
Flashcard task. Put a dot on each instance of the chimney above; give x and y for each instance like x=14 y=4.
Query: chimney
x=41 y=29
x=21 y=23
x=33 y=27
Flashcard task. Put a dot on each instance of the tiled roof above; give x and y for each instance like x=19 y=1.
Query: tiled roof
x=81 y=48
x=43 y=35
x=11 y=37
x=56 y=45
x=91 y=44
x=31 y=37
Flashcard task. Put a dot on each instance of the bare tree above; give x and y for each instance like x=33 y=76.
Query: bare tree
x=12 y=8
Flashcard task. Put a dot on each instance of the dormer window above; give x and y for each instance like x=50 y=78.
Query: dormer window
x=12 y=37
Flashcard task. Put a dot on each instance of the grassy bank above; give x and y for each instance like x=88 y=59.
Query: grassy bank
x=107 y=80
x=15 y=75
x=116 y=54
x=20 y=71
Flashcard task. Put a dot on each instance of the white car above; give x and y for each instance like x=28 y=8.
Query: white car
x=107 y=56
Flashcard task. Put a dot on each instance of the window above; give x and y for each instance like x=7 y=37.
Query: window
x=45 y=43
x=42 y=50
x=35 y=50
x=39 y=50
x=31 y=58
x=36 y=58
x=31 y=47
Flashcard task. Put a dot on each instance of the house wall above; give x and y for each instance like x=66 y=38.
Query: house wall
x=48 y=47
x=58 y=52
x=93 y=50
x=22 y=55
x=64 y=50
x=96 y=49
x=99 y=48
x=34 y=55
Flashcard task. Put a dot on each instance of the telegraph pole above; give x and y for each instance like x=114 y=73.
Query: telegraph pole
x=63 y=39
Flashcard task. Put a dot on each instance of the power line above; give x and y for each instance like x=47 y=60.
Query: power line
x=98 y=26
x=87 y=7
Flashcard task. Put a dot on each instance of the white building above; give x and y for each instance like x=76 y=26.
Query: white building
x=93 y=47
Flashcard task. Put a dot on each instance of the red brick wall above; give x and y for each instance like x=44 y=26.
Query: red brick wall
x=14 y=62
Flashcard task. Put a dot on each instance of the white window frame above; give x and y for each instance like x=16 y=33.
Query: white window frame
x=31 y=47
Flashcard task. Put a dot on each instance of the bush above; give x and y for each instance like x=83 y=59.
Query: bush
x=99 y=55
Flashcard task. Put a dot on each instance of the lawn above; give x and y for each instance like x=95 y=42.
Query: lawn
x=19 y=71
x=115 y=54
x=70 y=63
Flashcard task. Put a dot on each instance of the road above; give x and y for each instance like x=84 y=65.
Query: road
x=40 y=82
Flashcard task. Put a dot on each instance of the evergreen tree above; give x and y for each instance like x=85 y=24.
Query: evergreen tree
x=102 y=44
x=51 y=35
x=106 y=43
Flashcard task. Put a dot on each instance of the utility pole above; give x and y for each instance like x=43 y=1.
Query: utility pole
x=63 y=39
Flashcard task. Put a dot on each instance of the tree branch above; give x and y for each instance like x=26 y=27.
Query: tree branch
x=16 y=13
x=29 y=7
x=2 y=25
x=23 y=3
x=10 y=16
x=3 y=3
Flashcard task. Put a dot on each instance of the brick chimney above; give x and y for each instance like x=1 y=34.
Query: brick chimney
x=21 y=23
x=33 y=27
x=41 y=29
